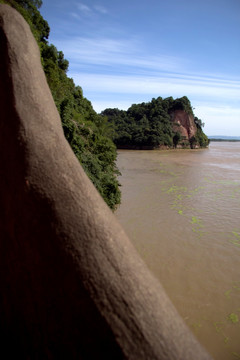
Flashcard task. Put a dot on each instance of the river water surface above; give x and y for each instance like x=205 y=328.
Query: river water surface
x=181 y=210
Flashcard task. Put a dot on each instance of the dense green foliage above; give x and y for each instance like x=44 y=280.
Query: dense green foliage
x=84 y=129
x=200 y=137
x=149 y=125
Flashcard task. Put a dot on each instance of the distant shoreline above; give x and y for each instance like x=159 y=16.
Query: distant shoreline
x=224 y=138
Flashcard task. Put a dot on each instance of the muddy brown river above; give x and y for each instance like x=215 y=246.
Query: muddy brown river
x=181 y=210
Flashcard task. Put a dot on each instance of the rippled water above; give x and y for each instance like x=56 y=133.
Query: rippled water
x=181 y=210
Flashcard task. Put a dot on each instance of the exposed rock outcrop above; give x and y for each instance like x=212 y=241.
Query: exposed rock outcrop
x=183 y=123
x=71 y=284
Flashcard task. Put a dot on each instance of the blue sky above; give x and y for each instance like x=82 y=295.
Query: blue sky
x=128 y=51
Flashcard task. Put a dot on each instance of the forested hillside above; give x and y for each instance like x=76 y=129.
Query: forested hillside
x=152 y=125
x=85 y=130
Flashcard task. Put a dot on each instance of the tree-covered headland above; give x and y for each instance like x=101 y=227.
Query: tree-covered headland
x=85 y=130
x=152 y=125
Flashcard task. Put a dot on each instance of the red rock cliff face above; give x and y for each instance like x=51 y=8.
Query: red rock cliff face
x=184 y=124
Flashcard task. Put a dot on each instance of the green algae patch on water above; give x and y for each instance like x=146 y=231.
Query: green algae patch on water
x=226 y=340
x=227 y=294
x=197 y=326
x=233 y=318
x=195 y=220
x=218 y=326
x=179 y=197
x=196 y=190
x=176 y=189
x=233 y=291
x=235 y=238
x=237 y=356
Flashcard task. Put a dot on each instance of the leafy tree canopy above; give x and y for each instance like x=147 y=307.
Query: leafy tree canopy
x=29 y=3
x=149 y=125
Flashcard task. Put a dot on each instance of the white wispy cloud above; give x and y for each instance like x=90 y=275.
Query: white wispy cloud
x=86 y=10
x=101 y=9
x=127 y=56
x=117 y=52
x=161 y=85
x=75 y=15
x=120 y=66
